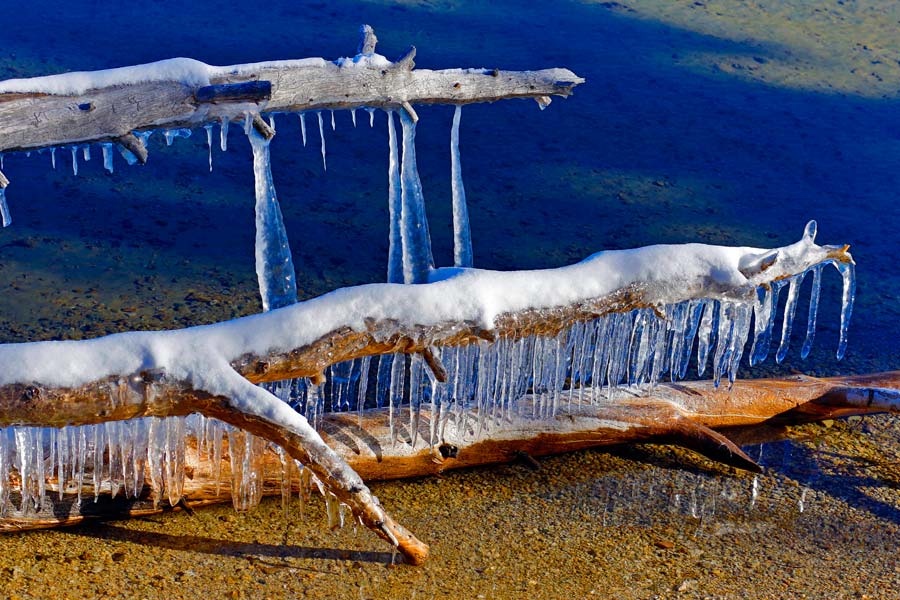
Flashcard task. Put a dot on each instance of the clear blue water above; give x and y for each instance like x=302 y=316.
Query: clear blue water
x=646 y=151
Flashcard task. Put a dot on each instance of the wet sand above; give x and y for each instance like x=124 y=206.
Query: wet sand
x=723 y=122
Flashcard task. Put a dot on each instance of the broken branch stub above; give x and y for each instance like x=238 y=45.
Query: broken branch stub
x=44 y=112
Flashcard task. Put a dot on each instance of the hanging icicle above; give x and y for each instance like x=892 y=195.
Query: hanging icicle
x=418 y=260
x=274 y=264
x=462 y=235
x=322 y=138
x=395 y=206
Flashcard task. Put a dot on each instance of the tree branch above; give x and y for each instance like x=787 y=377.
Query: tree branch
x=34 y=118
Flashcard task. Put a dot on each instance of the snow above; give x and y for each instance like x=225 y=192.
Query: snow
x=188 y=71
x=668 y=273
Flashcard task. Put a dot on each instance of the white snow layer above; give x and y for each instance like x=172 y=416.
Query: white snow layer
x=201 y=355
x=184 y=70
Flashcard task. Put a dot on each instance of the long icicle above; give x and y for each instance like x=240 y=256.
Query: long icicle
x=462 y=235
x=418 y=260
x=395 y=207
x=274 y=264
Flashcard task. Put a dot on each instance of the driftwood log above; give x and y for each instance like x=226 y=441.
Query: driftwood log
x=203 y=370
x=693 y=415
x=34 y=119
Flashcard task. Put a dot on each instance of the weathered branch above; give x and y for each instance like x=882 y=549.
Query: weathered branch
x=684 y=414
x=35 y=114
x=3 y=180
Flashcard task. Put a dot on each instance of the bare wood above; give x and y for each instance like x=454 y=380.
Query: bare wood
x=662 y=416
x=3 y=180
x=135 y=145
x=37 y=120
x=264 y=129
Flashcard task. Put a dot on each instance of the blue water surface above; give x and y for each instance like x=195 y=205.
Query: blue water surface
x=646 y=151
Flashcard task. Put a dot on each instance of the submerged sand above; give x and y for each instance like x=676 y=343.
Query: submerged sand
x=643 y=522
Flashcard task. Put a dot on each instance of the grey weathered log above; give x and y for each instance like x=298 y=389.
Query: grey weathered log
x=38 y=120
x=135 y=145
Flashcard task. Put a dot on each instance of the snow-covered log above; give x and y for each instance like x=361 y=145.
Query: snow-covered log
x=211 y=370
x=86 y=107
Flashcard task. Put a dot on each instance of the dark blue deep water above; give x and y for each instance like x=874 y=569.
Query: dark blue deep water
x=651 y=149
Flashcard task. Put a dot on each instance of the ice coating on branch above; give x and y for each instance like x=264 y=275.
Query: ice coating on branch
x=172 y=134
x=462 y=235
x=274 y=264
x=418 y=260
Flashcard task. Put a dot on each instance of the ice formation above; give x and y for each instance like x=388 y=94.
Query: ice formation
x=462 y=236
x=723 y=298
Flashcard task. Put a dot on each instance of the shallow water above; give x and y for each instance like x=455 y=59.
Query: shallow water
x=719 y=122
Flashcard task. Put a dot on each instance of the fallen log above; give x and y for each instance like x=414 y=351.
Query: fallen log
x=692 y=414
x=101 y=106
x=211 y=370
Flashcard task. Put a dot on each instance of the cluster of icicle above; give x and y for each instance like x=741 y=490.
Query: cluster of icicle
x=120 y=457
x=486 y=381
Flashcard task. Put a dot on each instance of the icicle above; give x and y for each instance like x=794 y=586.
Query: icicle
x=790 y=310
x=417 y=258
x=53 y=157
x=107 y=156
x=74 y=150
x=272 y=121
x=86 y=152
x=703 y=335
x=5 y=216
x=128 y=155
x=371 y=112
x=303 y=128
x=156 y=444
x=174 y=459
x=462 y=236
x=395 y=207
x=274 y=264
x=209 y=134
x=171 y=134
x=322 y=137
x=4 y=472
x=352 y=118
x=848 y=274
x=223 y=133
x=248 y=123
x=813 y=311
x=333 y=126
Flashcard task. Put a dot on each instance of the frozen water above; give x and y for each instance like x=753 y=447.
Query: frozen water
x=172 y=134
x=274 y=264
x=417 y=257
x=303 y=128
x=5 y=217
x=462 y=236
x=322 y=138
x=107 y=156
x=223 y=134
x=209 y=142
x=395 y=206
